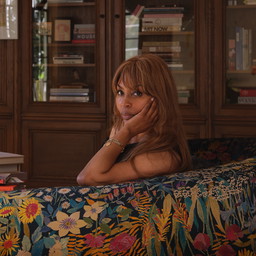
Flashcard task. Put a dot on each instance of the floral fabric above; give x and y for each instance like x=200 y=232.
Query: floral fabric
x=210 y=211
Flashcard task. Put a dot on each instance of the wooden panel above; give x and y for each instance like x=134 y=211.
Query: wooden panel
x=6 y=136
x=235 y=130
x=195 y=130
x=55 y=152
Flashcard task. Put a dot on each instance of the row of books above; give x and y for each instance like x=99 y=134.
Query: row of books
x=169 y=51
x=162 y=19
x=71 y=94
x=240 y=50
x=11 y=176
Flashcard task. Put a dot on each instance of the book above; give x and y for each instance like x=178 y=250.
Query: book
x=84 y=33
x=239 y=48
x=69 y=90
x=231 y=54
x=8 y=187
x=161 y=21
x=161 y=49
x=8 y=177
x=161 y=43
x=138 y=10
x=249 y=2
x=84 y=41
x=247 y=92
x=68 y=59
x=163 y=10
x=163 y=15
x=246 y=100
x=11 y=158
x=160 y=28
x=70 y=98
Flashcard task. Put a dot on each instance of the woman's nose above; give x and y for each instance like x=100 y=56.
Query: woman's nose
x=127 y=102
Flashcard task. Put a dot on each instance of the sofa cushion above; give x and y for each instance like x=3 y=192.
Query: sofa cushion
x=212 y=152
x=209 y=211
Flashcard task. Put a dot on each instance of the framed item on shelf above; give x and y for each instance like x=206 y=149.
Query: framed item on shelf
x=62 y=30
x=8 y=19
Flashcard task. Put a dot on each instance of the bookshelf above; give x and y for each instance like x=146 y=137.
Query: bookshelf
x=64 y=50
x=241 y=62
x=167 y=30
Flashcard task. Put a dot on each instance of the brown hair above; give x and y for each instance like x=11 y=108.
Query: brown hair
x=153 y=74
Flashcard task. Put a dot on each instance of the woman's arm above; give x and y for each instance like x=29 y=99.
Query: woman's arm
x=102 y=168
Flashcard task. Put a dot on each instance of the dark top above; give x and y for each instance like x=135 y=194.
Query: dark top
x=126 y=150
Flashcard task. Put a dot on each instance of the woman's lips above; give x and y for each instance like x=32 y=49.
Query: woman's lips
x=126 y=116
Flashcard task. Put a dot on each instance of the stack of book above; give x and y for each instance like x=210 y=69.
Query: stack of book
x=68 y=59
x=162 y=19
x=183 y=96
x=83 y=33
x=71 y=94
x=169 y=51
x=247 y=96
x=11 y=176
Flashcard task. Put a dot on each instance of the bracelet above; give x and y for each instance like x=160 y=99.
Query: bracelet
x=117 y=142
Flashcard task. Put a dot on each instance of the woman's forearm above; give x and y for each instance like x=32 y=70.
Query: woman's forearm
x=105 y=158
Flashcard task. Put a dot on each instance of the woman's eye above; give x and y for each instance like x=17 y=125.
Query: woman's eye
x=119 y=92
x=137 y=93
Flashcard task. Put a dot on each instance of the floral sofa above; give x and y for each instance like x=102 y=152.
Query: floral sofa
x=210 y=210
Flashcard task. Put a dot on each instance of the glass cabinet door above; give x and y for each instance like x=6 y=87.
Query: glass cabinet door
x=165 y=28
x=241 y=52
x=64 y=61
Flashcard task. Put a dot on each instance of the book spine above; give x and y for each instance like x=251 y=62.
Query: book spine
x=83 y=36
x=161 y=43
x=245 y=49
x=239 y=52
x=161 y=49
x=161 y=21
x=163 y=28
x=246 y=100
x=163 y=15
x=70 y=98
x=82 y=41
x=247 y=92
x=231 y=54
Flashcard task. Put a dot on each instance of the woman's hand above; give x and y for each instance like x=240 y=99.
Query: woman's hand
x=144 y=120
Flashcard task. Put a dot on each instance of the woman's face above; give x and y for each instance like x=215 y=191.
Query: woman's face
x=130 y=101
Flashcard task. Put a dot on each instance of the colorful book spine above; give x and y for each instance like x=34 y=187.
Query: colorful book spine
x=161 y=28
x=247 y=92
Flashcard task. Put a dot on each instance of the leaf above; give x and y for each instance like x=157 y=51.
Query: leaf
x=105 y=228
x=215 y=209
x=36 y=236
x=49 y=208
x=26 y=244
x=48 y=242
x=26 y=229
x=125 y=212
x=167 y=205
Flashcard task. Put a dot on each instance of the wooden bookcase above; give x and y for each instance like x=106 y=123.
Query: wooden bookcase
x=58 y=138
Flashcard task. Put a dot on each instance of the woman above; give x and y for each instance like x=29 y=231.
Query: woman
x=147 y=138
